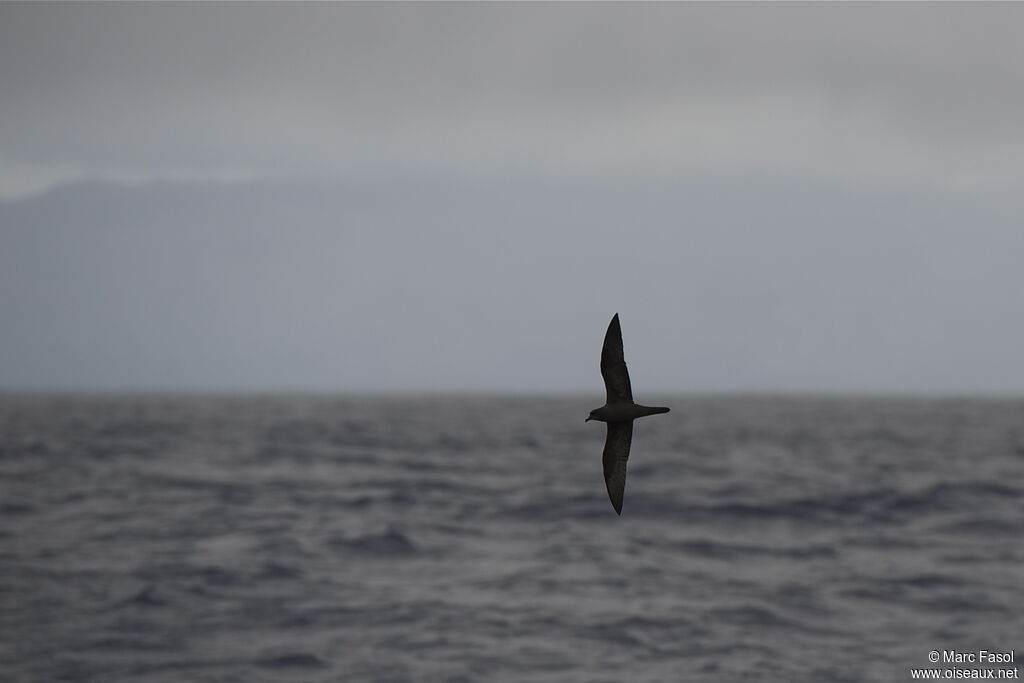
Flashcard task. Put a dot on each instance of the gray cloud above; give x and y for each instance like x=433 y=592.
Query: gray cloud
x=923 y=91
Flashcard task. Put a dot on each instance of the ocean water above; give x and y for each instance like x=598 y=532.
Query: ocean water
x=423 y=539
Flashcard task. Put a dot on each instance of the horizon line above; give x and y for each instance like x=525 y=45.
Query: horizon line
x=242 y=392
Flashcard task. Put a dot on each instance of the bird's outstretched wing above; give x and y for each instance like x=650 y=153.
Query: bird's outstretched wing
x=613 y=365
x=616 y=453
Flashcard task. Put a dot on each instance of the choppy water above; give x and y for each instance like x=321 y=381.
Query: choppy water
x=471 y=539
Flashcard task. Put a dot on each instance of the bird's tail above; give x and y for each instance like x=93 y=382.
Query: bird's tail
x=652 y=410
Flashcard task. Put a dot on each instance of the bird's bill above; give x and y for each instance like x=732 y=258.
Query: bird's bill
x=588 y=419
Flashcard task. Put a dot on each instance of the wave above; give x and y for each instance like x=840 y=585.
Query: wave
x=292 y=660
x=390 y=543
x=877 y=505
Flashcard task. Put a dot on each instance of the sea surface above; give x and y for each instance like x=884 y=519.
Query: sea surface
x=470 y=538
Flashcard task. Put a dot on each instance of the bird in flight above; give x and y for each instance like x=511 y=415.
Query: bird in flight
x=618 y=412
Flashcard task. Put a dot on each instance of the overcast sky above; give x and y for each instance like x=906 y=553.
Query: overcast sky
x=345 y=197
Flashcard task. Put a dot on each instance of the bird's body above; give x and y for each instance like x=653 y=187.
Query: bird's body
x=623 y=412
x=618 y=412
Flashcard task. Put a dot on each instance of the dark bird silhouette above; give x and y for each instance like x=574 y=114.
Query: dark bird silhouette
x=618 y=412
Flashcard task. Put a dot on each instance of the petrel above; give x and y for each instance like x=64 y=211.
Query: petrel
x=618 y=412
